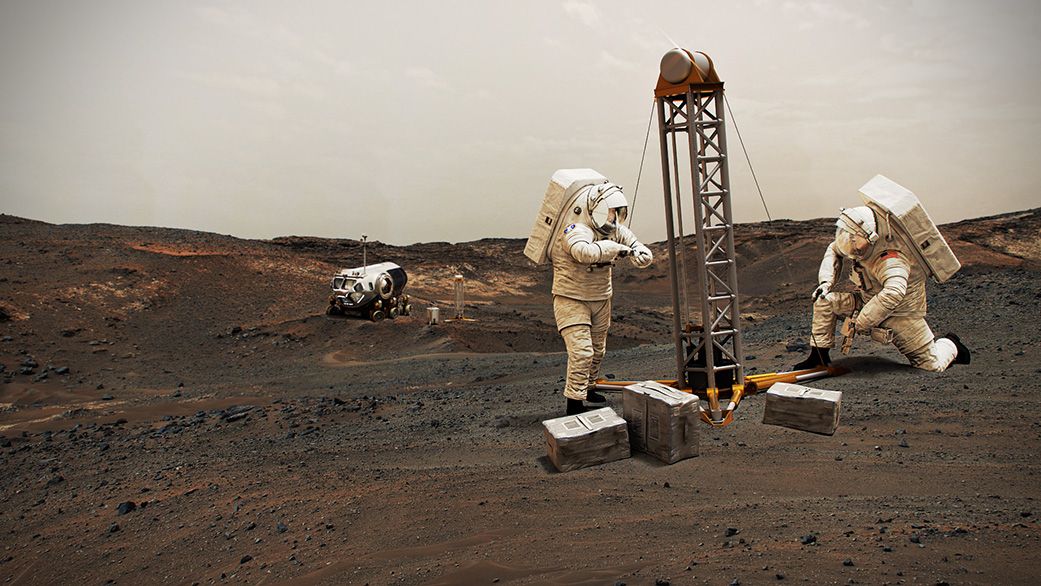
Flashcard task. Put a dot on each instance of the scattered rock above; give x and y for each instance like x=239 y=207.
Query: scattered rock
x=113 y=528
x=731 y=531
x=125 y=507
x=797 y=345
x=847 y=562
x=808 y=539
x=281 y=527
x=245 y=558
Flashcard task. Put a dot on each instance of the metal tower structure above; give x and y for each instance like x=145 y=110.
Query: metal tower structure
x=692 y=131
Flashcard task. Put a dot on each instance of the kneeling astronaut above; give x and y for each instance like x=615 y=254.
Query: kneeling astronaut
x=592 y=237
x=889 y=301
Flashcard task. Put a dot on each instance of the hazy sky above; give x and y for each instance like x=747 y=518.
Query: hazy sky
x=443 y=120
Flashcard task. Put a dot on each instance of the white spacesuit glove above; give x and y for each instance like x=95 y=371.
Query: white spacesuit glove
x=641 y=256
x=822 y=290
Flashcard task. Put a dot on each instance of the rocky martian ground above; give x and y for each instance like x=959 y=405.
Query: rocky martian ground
x=175 y=408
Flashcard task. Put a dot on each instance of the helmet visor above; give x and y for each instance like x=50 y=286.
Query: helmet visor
x=609 y=208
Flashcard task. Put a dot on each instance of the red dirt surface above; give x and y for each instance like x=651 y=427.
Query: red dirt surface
x=193 y=417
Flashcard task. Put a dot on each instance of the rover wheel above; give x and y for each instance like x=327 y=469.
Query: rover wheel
x=392 y=313
x=333 y=310
x=376 y=315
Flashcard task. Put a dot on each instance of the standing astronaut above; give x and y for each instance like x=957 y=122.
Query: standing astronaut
x=889 y=301
x=592 y=237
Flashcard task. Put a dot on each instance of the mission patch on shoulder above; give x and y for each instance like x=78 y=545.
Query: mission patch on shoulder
x=887 y=254
x=569 y=228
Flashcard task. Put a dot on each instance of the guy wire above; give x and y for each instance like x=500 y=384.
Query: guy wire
x=636 y=190
x=784 y=256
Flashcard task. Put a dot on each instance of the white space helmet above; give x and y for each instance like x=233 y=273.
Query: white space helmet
x=858 y=221
x=607 y=207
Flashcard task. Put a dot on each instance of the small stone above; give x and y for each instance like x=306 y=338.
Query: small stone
x=797 y=345
x=808 y=539
x=107 y=397
x=915 y=538
x=61 y=370
x=125 y=507
x=904 y=444
x=847 y=562
x=245 y=559
x=779 y=576
x=281 y=527
x=731 y=531
x=113 y=528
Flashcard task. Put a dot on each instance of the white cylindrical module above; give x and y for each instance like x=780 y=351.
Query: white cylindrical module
x=433 y=315
x=459 y=297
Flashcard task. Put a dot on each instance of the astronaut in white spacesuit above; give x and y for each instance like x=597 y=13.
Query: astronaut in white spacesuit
x=593 y=236
x=889 y=300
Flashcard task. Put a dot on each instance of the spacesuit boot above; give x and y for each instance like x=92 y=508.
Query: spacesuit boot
x=817 y=357
x=963 y=356
x=594 y=397
x=574 y=407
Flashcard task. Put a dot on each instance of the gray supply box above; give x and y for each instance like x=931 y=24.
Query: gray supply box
x=594 y=437
x=663 y=421
x=803 y=408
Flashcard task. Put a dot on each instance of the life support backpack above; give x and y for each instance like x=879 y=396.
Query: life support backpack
x=900 y=216
x=564 y=188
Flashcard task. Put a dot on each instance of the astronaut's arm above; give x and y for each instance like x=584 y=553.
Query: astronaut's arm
x=895 y=273
x=831 y=265
x=641 y=256
x=581 y=245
